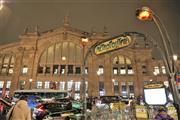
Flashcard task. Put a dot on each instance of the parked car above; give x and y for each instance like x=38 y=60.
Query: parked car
x=53 y=109
x=108 y=102
x=6 y=105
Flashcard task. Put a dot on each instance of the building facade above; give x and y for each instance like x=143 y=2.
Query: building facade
x=54 y=60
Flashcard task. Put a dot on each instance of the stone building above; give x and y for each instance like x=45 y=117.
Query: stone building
x=54 y=60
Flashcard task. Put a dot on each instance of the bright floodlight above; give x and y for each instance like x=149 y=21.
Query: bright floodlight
x=144 y=13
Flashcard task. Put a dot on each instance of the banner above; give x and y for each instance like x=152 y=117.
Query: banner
x=141 y=112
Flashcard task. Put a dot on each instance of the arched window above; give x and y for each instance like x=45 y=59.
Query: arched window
x=122 y=65
x=7 y=64
x=61 y=58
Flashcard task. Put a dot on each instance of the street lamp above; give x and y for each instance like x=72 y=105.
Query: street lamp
x=146 y=14
x=84 y=41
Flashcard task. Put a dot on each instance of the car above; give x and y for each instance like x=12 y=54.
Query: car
x=52 y=109
x=107 y=102
x=6 y=105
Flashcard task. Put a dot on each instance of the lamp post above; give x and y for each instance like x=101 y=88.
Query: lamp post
x=146 y=14
x=84 y=41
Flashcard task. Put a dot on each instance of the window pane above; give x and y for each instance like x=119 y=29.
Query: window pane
x=1 y=84
x=116 y=88
x=25 y=69
x=72 y=52
x=156 y=70
x=40 y=69
x=77 y=86
x=163 y=69
x=62 y=71
x=57 y=58
x=62 y=86
x=39 y=85
x=101 y=88
x=69 y=85
x=8 y=84
x=115 y=70
x=6 y=59
x=70 y=69
x=55 y=69
x=48 y=70
x=121 y=59
x=47 y=85
x=50 y=57
x=122 y=70
x=78 y=70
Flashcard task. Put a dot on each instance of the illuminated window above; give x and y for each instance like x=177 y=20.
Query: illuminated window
x=77 y=90
x=52 y=58
x=115 y=70
x=24 y=69
x=62 y=69
x=69 y=85
x=116 y=88
x=62 y=86
x=130 y=69
x=47 y=85
x=156 y=70
x=122 y=65
x=7 y=62
x=163 y=69
x=86 y=70
x=1 y=84
x=101 y=88
x=131 y=89
x=55 y=69
x=8 y=84
x=39 y=85
x=100 y=70
x=122 y=70
x=123 y=89
x=77 y=86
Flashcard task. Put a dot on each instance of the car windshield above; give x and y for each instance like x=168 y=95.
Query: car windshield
x=109 y=99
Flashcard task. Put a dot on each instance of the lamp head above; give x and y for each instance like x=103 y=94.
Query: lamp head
x=144 y=14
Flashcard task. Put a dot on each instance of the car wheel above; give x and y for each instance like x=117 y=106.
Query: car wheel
x=47 y=117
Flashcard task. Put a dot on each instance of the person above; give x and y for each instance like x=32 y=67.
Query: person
x=20 y=111
x=1 y=108
x=162 y=115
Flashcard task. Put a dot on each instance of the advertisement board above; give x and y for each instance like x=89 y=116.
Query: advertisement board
x=141 y=112
x=155 y=95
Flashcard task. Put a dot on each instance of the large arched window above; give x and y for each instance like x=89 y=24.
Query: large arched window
x=122 y=65
x=7 y=64
x=61 y=58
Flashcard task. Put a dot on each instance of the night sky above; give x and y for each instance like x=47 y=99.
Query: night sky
x=117 y=15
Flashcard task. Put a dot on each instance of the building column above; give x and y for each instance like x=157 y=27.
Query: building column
x=108 y=84
x=17 y=71
x=93 y=81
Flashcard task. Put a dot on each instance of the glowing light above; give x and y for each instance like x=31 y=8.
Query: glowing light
x=175 y=57
x=63 y=58
x=1 y=4
x=144 y=13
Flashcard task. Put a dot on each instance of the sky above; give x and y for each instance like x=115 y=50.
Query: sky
x=116 y=15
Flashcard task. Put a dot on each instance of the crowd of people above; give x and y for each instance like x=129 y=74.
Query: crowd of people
x=21 y=111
